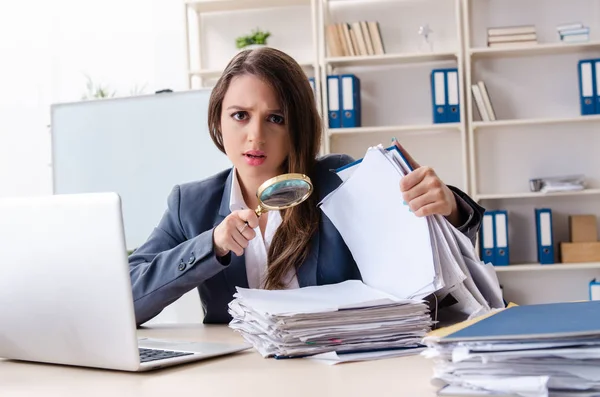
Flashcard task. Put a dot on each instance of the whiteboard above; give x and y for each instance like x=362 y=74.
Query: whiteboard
x=139 y=147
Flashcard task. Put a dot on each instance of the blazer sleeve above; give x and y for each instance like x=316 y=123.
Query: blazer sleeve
x=169 y=264
x=471 y=213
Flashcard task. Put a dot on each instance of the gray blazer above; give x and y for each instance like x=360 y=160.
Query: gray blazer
x=178 y=256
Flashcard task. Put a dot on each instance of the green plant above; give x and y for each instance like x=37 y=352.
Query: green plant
x=256 y=37
x=96 y=91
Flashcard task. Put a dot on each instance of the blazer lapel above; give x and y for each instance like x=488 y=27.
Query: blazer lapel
x=307 y=273
x=235 y=273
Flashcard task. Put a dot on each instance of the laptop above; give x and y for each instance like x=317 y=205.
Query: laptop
x=65 y=289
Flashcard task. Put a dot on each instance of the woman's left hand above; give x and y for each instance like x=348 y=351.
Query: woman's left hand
x=425 y=193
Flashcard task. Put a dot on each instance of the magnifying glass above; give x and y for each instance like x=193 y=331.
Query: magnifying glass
x=281 y=192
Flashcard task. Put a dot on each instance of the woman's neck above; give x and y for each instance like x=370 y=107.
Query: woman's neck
x=249 y=187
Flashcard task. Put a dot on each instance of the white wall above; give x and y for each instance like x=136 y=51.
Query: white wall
x=48 y=48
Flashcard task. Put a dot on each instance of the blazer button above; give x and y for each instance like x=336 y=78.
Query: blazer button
x=181 y=266
x=192 y=259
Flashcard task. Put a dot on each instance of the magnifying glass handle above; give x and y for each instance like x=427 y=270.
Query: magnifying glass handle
x=257 y=211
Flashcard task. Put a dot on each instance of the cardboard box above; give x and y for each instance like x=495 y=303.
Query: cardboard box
x=580 y=252
x=583 y=228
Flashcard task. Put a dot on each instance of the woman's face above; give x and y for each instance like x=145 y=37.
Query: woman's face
x=255 y=134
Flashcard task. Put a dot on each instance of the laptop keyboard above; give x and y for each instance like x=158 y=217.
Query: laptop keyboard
x=157 y=354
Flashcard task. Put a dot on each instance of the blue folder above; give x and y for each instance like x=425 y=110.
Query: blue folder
x=535 y=323
x=350 y=102
x=588 y=98
x=544 y=236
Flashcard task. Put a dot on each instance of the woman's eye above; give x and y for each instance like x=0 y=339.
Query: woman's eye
x=275 y=118
x=239 y=116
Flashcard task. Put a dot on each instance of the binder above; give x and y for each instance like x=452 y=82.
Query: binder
x=587 y=86
x=501 y=251
x=545 y=240
x=351 y=106
x=487 y=237
x=597 y=78
x=547 y=321
x=452 y=96
x=594 y=290
x=438 y=95
x=311 y=80
x=333 y=101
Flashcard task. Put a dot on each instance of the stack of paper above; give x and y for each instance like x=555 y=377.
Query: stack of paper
x=348 y=317
x=537 y=350
x=400 y=253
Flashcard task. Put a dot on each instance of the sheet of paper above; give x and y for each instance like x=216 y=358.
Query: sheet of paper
x=391 y=245
x=325 y=298
x=333 y=358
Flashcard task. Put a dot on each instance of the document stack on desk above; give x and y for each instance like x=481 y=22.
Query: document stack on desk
x=348 y=317
x=400 y=253
x=537 y=350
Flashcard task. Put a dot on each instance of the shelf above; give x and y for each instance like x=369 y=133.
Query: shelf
x=501 y=196
x=397 y=128
x=553 y=267
x=239 y=5
x=390 y=59
x=517 y=122
x=545 y=48
x=214 y=73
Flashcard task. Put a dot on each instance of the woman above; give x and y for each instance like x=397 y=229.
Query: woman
x=262 y=115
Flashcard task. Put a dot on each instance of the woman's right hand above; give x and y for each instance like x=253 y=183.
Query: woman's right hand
x=233 y=235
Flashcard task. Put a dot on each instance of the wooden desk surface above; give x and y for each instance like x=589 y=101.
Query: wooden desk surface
x=242 y=374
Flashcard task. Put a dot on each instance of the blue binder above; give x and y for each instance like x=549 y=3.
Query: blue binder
x=311 y=81
x=351 y=107
x=438 y=95
x=549 y=321
x=597 y=84
x=587 y=86
x=487 y=238
x=452 y=96
x=594 y=290
x=544 y=234
x=333 y=101
x=501 y=253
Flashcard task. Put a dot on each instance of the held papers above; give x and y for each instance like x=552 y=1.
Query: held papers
x=348 y=317
x=397 y=252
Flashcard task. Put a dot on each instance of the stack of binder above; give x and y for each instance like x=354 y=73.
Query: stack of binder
x=445 y=95
x=345 y=318
x=573 y=32
x=397 y=252
x=526 y=351
x=494 y=238
x=589 y=86
x=343 y=101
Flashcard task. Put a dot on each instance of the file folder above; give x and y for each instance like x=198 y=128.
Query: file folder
x=594 y=290
x=501 y=253
x=333 y=101
x=452 y=93
x=311 y=80
x=351 y=109
x=597 y=78
x=438 y=95
x=549 y=321
x=545 y=240
x=587 y=86
x=487 y=237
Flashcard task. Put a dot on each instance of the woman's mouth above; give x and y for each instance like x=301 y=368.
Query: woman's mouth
x=254 y=157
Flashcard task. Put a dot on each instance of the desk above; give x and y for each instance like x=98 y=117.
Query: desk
x=242 y=374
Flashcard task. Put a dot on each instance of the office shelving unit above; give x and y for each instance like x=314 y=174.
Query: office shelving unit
x=534 y=136
x=400 y=78
x=538 y=132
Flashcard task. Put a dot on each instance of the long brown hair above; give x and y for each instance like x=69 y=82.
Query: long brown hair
x=290 y=244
